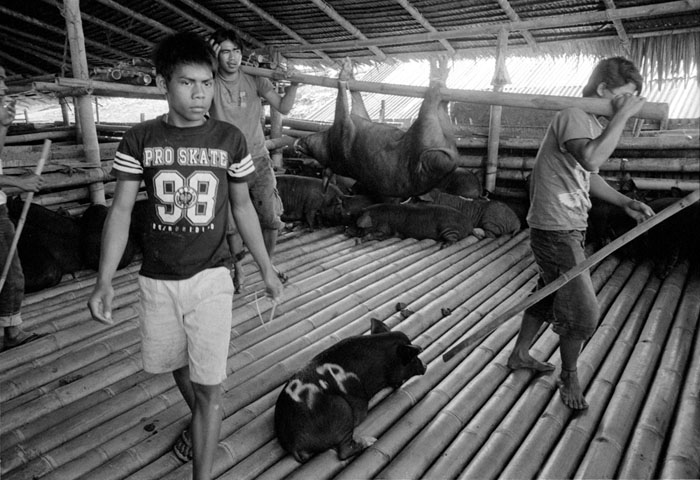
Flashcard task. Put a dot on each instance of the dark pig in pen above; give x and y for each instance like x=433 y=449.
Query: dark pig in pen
x=493 y=217
x=322 y=403
x=419 y=221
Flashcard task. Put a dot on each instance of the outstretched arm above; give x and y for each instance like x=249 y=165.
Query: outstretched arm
x=249 y=228
x=634 y=208
x=115 y=235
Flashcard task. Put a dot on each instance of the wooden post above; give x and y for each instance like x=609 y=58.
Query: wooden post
x=64 y=110
x=500 y=78
x=74 y=30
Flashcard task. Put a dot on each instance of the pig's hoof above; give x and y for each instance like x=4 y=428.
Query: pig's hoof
x=479 y=233
x=400 y=306
x=405 y=313
x=446 y=311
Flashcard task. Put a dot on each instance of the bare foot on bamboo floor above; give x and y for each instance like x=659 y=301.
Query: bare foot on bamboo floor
x=570 y=391
x=516 y=362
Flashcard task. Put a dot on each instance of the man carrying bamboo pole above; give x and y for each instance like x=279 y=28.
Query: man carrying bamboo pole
x=12 y=292
x=237 y=100
x=564 y=175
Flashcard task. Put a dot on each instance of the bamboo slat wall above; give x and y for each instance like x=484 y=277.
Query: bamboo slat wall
x=76 y=404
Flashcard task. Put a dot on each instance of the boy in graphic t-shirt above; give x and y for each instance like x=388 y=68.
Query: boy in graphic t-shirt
x=194 y=169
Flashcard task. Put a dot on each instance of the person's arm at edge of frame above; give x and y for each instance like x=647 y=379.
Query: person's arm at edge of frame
x=115 y=235
x=247 y=222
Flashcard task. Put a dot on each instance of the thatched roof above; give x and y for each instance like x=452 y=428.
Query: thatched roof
x=663 y=37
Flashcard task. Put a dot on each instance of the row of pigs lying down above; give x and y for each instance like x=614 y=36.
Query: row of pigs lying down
x=53 y=244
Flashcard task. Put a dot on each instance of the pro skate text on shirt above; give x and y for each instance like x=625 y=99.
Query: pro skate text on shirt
x=185 y=156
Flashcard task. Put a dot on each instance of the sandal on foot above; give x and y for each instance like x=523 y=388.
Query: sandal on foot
x=29 y=338
x=183 y=446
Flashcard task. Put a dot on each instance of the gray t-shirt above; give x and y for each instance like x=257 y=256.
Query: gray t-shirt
x=559 y=185
x=238 y=102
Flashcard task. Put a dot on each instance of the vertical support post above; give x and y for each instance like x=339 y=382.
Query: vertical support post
x=74 y=30
x=64 y=110
x=500 y=78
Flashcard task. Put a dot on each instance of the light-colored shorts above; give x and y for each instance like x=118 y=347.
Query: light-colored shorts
x=187 y=322
x=263 y=193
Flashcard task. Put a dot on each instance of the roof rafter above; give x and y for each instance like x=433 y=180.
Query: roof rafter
x=554 y=21
x=218 y=20
x=425 y=23
x=347 y=25
x=62 y=32
x=137 y=16
x=506 y=7
x=17 y=61
x=32 y=50
x=50 y=43
x=183 y=14
x=120 y=31
x=619 y=28
x=266 y=16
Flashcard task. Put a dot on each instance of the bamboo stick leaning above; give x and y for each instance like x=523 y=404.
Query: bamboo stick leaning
x=578 y=270
x=23 y=216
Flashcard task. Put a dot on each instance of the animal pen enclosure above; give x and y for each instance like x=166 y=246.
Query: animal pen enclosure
x=76 y=403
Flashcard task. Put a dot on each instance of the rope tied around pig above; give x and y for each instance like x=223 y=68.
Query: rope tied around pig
x=566 y=277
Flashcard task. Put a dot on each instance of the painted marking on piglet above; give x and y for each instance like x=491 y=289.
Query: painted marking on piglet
x=338 y=374
x=306 y=393
x=296 y=389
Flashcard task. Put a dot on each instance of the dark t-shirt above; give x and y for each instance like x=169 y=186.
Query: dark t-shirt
x=186 y=172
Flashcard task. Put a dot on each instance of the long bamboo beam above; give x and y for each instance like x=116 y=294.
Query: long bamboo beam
x=598 y=106
x=555 y=21
x=657 y=144
x=566 y=277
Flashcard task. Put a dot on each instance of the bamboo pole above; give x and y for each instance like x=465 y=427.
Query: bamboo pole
x=585 y=265
x=78 y=87
x=656 y=111
x=625 y=318
x=604 y=454
x=682 y=455
x=33 y=137
x=475 y=437
x=644 y=449
x=658 y=145
x=23 y=217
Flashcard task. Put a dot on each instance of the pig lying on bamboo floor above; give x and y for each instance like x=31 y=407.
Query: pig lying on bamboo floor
x=47 y=247
x=321 y=404
x=493 y=217
x=412 y=220
x=384 y=159
x=91 y=223
x=304 y=198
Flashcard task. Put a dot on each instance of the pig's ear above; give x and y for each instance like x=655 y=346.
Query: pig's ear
x=378 y=327
x=407 y=353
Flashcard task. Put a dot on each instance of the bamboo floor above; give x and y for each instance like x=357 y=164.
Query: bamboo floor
x=76 y=404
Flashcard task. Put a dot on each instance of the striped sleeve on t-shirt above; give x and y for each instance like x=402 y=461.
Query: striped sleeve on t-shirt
x=242 y=168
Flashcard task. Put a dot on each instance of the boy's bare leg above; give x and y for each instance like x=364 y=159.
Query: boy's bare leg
x=569 y=387
x=520 y=356
x=206 y=427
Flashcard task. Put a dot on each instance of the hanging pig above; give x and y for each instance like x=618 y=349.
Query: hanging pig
x=384 y=159
x=321 y=404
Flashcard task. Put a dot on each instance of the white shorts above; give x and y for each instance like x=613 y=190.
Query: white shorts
x=187 y=322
